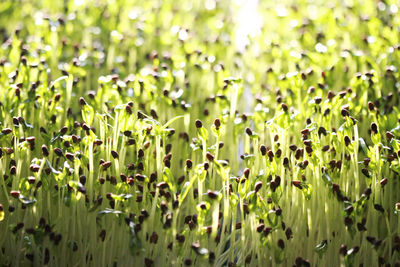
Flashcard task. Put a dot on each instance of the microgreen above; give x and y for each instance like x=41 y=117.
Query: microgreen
x=156 y=133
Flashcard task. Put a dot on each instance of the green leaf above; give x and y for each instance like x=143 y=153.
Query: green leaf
x=363 y=145
x=326 y=178
x=88 y=114
x=38 y=236
x=109 y=211
x=121 y=197
x=25 y=200
x=203 y=133
x=321 y=248
x=171 y=121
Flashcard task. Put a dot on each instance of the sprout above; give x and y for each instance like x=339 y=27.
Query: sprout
x=295 y=155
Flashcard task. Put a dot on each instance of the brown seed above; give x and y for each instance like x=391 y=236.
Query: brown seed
x=330 y=95
x=217 y=123
x=307 y=142
x=69 y=156
x=270 y=155
x=14 y=193
x=106 y=165
x=297 y=184
x=34 y=167
x=257 y=186
x=389 y=136
x=6 y=131
x=162 y=185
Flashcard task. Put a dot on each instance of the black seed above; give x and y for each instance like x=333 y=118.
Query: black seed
x=285 y=161
x=45 y=150
x=374 y=128
x=114 y=154
x=206 y=165
x=289 y=233
x=344 y=112
x=46 y=256
x=189 y=164
x=260 y=227
x=249 y=131
x=281 y=244
x=347 y=140
x=343 y=250
x=148 y=262
x=361 y=227
x=365 y=172
x=371 y=106
x=140 y=153
x=263 y=150
x=278 y=211
x=212 y=194
x=379 y=207
x=199 y=124
x=82 y=101
x=58 y=152
x=368 y=191
x=348 y=221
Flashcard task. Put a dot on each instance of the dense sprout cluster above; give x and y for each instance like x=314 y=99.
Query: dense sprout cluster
x=140 y=133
